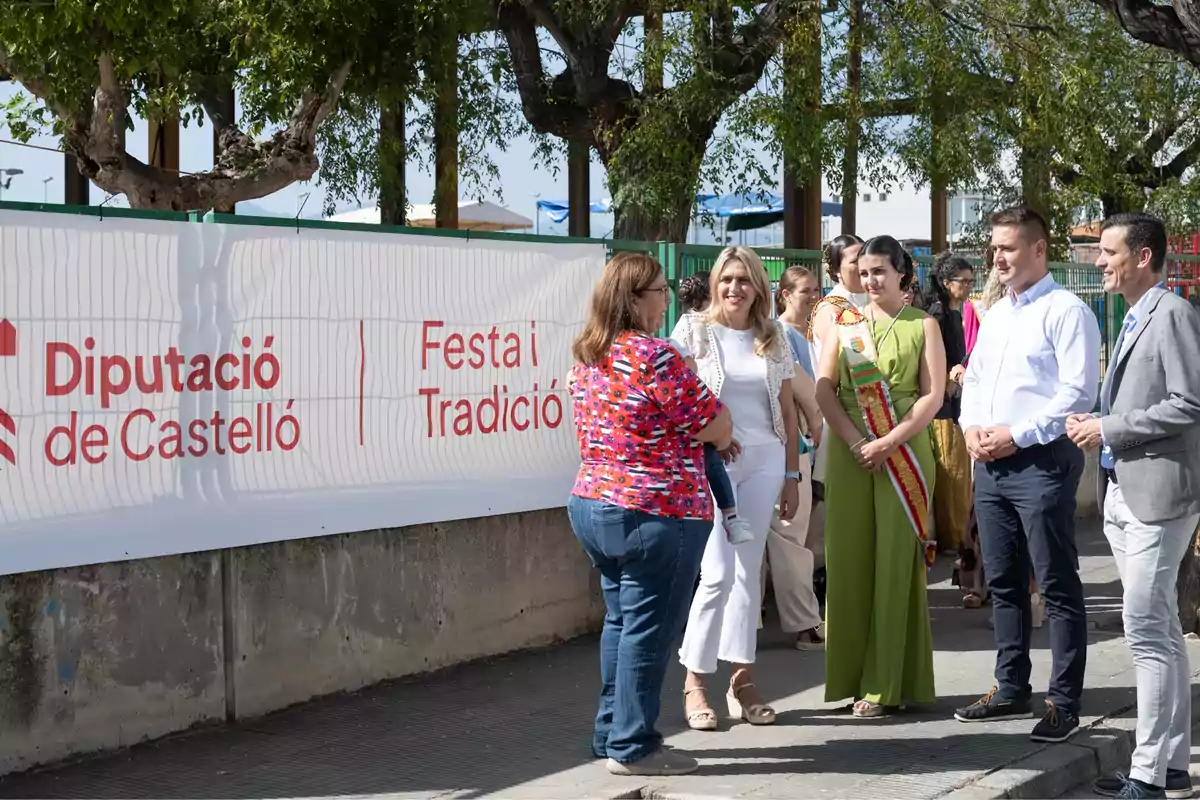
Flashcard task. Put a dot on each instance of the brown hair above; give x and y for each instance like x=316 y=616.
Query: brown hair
x=611 y=311
x=1032 y=224
x=833 y=255
x=693 y=291
x=766 y=334
x=787 y=283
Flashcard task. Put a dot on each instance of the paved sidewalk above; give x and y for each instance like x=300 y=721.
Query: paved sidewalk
x=518 y=727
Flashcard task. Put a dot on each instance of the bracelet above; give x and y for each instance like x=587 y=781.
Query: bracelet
x=794 y=475
x=859 y=443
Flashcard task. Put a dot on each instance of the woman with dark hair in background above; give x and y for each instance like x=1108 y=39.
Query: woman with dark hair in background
x=946 y=290
x=841 y=265
x=693 y=292
x=881 y=380
x=841 y=258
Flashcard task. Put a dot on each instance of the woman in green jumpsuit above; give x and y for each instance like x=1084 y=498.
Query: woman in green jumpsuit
x=880 y=383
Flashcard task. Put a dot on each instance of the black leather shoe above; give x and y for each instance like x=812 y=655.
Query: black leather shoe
x=1056 y=726
x=992 y=708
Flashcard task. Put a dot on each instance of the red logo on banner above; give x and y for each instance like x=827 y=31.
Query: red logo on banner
x=8 y=338
x=8 y=347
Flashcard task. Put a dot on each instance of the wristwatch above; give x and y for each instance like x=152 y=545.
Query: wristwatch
x=793 y=475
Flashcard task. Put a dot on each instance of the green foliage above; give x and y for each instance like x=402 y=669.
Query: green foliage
x=166 y=52
x=981 y=89
x=1054 y=85
x=488 y=116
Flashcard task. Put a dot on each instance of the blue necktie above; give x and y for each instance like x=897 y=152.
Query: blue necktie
x=1106 y=455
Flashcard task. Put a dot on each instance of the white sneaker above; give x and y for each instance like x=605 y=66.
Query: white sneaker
x=1037 y=608
x=739 y=530
x=660 y=762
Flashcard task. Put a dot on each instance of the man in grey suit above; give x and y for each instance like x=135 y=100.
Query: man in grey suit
x=1148 y=434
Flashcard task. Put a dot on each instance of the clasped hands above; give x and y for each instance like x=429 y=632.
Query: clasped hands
x=1084 y=430
x=989 y=444
x=872 y=454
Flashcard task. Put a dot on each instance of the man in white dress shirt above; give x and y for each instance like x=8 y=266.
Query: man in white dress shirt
x=1148 y=435
x=1036 y=362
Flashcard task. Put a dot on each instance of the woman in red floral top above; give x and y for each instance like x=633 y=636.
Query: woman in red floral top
x=640 y=506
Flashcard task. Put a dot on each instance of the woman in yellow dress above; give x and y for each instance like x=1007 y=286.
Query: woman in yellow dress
x=879 y=386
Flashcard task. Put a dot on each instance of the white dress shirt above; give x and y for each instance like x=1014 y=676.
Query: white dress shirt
x=1107 y=460
x=1035 y=363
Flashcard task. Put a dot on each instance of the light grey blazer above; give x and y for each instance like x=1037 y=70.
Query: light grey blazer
x=1153 y=424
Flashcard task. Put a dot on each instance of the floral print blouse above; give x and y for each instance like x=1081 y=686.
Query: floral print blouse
x=635 y=415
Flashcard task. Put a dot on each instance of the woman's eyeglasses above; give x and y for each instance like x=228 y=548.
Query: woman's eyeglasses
x=665 y=290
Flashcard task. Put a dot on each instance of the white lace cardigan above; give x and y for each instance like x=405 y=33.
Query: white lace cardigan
x=694 y=336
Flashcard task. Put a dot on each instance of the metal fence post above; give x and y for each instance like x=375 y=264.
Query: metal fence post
x=668 y=256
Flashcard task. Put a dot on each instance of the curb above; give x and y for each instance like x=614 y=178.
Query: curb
x=1098 y=749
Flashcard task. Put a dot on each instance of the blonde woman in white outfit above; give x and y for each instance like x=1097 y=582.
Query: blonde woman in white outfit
x=742 y=356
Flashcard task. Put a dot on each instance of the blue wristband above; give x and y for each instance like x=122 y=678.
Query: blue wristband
x=793 y=475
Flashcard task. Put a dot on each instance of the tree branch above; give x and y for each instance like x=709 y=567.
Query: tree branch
x=1184 y=159
x=1160 y=25
x=243 y=170
x=739 y=62
x=543 y=16
x=36 y=85
x=546 y=108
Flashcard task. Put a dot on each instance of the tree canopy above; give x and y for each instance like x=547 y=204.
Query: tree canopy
x=88 y=63
x=1017 y=98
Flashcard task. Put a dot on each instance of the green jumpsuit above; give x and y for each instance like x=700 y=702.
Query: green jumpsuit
x=878 y=642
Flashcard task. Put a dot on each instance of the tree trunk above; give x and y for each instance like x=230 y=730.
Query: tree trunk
x=1035 y=181
x=1188 y=589
x=854 y=38
x=392 y=158
x=636 y=225
x=667 y=219
x=651 y=142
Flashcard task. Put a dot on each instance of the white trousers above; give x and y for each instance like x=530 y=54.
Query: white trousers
x=723 y=621
x=791 y=561
x=1148 y=558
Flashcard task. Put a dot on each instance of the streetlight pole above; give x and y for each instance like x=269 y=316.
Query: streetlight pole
x=46 y=189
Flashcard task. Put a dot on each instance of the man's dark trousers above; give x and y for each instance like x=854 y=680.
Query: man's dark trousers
x=1025 y=508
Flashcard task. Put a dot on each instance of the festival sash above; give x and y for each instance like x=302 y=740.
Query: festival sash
x=875 y=403
x=831 y=299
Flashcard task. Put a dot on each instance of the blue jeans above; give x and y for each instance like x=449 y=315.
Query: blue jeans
x=718 y=478
x=648 y=566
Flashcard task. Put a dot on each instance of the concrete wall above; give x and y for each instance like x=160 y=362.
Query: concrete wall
x=101 y=657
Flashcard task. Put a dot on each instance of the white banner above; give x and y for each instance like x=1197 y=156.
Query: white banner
x=173 y=387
